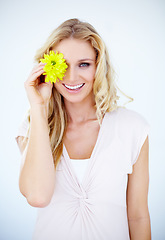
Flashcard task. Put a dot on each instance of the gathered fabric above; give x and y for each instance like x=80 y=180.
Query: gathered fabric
x=95 y=208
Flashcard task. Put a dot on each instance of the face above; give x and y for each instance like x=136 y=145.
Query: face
x=77 y=84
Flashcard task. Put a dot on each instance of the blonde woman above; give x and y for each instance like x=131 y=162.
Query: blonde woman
x=84 y=159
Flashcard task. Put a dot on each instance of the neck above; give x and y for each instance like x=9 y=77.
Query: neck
x=81 y=112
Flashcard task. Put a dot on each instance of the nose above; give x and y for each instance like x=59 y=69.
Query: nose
x=71 y=74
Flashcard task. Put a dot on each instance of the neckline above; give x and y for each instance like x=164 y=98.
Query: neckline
x=65 y=152
x=89 y=164
x=85 y=159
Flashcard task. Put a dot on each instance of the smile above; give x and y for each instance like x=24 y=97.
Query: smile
x=74 y=87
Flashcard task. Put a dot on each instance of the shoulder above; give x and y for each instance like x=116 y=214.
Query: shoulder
x=129 y=126
x=129 y=130
x=126 y=118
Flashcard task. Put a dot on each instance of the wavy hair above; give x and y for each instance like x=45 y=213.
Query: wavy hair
x=104 y=89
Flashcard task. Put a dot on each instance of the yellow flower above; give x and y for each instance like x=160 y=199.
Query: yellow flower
x=55 y=67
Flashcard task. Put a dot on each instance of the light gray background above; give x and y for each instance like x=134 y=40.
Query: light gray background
x=135 y=36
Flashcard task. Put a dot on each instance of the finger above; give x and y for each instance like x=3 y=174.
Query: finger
x=38 y=66
x=33 y=77
x=38 y=72
x=49 y=84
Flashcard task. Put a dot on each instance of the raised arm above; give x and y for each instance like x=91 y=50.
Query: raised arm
x=137 y=198
x=37 y=173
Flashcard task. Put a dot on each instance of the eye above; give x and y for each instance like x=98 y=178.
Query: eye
x=84 y=64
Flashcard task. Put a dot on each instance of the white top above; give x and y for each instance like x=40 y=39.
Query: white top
x=79 y=167
x=95 y=208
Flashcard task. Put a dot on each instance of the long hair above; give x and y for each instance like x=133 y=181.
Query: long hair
x=104 y=89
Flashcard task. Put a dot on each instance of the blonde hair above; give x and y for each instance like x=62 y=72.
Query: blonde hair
x=105 y=89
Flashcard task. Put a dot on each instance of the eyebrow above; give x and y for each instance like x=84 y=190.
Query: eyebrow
x=83 y=60
x=86 y=59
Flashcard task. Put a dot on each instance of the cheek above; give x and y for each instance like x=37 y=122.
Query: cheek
x=90 y=76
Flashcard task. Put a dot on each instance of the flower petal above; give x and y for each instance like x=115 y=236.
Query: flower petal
x=57 y=70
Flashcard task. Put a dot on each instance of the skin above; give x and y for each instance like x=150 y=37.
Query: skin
x=137 y=197
x=81 y=58
x=80 y=137
x=81 y=69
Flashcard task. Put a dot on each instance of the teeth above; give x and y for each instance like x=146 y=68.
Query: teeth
x=74 y=87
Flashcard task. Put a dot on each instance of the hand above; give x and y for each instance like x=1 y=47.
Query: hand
x=38 y=91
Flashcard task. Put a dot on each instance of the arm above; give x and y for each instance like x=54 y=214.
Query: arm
x=37 y=173
x=137 y=198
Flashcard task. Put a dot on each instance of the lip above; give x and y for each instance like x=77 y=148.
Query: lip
x=73 y=88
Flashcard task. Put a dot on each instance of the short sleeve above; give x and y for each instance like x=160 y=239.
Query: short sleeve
x=140 y=132
x=22 y=128
x=133 y=130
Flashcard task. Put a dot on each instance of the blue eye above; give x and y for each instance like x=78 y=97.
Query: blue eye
x=84 y=64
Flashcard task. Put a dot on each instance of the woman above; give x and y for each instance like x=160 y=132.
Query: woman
x=76 y=123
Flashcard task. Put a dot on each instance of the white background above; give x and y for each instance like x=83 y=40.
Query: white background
x=134 y=32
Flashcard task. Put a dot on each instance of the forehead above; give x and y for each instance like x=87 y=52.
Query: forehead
x=75 y=49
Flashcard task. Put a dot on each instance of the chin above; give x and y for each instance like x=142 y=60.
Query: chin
x=77 y=99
